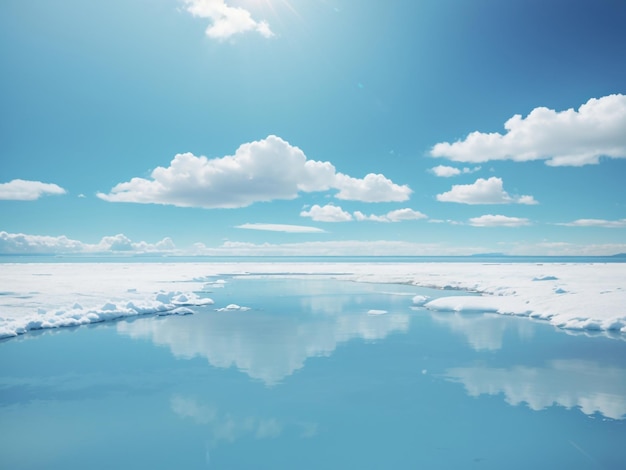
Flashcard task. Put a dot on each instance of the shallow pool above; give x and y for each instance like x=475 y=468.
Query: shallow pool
x=313 y=374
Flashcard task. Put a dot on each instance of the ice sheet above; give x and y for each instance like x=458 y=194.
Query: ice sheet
x=568 y=295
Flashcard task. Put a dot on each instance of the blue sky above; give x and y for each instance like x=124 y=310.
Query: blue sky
x=313 y=126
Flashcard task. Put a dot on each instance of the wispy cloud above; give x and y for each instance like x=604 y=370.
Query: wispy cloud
x=444 y=171
x=562 y=138
x=225 y=20
x=483 y=191
x=596 y=223
x=391 y=216
x=490 y=220
x=337 y=248
x=23 y=190
x=281 y=228
x=263 y=170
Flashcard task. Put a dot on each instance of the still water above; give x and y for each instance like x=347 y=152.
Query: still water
x=313 y=374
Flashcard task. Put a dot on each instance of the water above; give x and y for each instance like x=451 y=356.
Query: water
x=307 y=379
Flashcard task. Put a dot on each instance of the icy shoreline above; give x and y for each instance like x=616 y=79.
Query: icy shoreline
x=51 y=295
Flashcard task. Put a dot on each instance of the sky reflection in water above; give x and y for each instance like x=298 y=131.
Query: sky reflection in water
x=306 y=378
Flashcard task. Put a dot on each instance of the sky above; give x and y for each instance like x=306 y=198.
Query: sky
x=313 y=127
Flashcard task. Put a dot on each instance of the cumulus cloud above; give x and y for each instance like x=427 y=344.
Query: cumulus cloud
x=281 y=228
x=226 y=20
x=259 y=171
x=444 y=171
x=562 y=138
x=20 y=244
x=392 y=216
x=23 y=190
x=596 y=223
x=327 y=213
x=483 y=191
x=372 y=188
x=332 y=213
x=490 y=220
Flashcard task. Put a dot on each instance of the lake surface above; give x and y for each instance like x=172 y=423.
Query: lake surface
x=313 y=374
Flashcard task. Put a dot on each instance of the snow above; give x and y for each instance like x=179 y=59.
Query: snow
x=233 y=307
x=574 y=296
x=420 y=300
x=40 y=296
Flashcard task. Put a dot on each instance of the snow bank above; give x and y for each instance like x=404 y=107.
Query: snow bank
x=569 y=295
x=40 y=296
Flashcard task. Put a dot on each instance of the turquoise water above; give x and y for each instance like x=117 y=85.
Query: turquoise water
x=307 y=379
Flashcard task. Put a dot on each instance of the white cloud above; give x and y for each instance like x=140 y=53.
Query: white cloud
x=226 y=21
x=263 y=170
x=332 y=213
x=483 y=191
x=281 y=228
x=337 y=248
x=446 y=221
x=327 y=213
x=360 y=216
x=565 y=138
x=392 y=216
x=405 y=214
x=23 y=190
x=19 y=243
x=372 y=188
x=563 y=248
x=444 y=171
x=490 y=220
x=596 y=223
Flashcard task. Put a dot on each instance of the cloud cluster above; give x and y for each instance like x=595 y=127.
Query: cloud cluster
x=391 y=216
x=483 y=191
x=562 y=138
x=332 y=213
x=226 y=21
x=263 y=170
x=19 y=243
x=23 y=190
